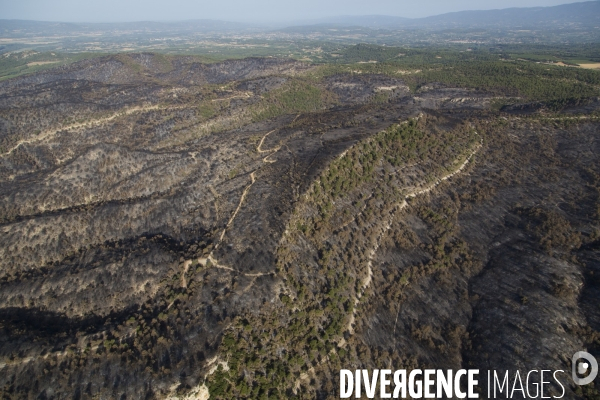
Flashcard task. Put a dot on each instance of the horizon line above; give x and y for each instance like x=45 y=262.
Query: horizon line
x=305 y=21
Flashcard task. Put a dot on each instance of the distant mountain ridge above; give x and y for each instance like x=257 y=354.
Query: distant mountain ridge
x=583 y=15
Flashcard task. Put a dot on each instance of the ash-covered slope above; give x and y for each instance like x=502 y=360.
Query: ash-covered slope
x=161 y=217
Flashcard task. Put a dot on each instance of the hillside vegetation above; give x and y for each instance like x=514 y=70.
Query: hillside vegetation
x=172 y=228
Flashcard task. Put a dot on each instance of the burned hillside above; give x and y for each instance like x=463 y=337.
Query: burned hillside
x=247 y=228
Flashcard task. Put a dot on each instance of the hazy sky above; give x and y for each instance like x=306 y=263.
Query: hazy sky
x=240 y=10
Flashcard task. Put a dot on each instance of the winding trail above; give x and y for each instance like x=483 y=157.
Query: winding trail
x=253 y=179
x=258 y=148
x=210 y=257
x=244 y=193
x=366 y=283
x=201 y=392
x=367 y=280
x=51 y=132
x=188 y=263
